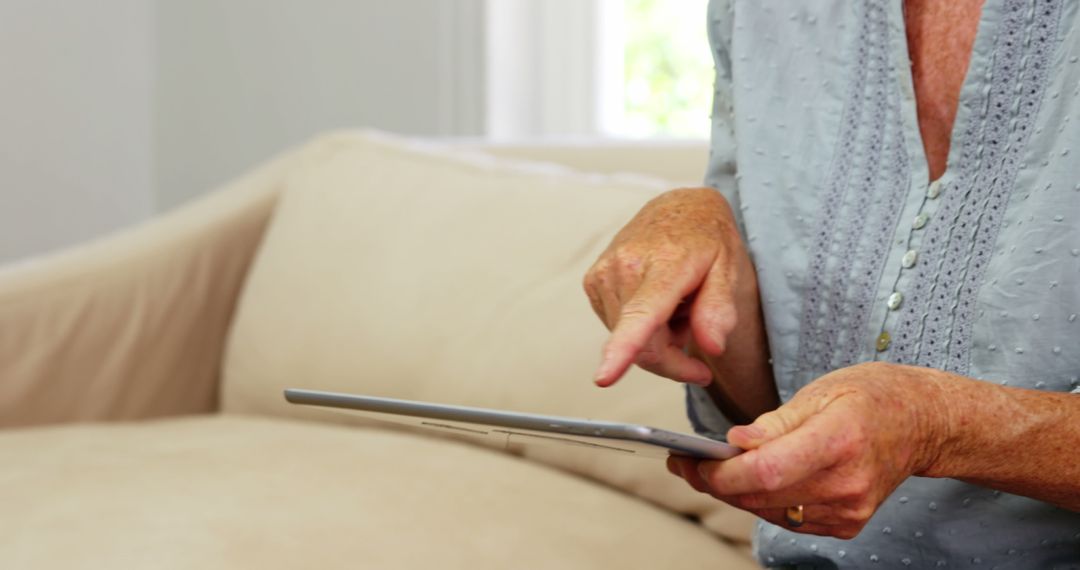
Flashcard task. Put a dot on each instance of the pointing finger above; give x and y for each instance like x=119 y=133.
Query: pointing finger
x=647 y=311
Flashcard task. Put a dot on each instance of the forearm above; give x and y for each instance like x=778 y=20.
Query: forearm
x=1015 y=440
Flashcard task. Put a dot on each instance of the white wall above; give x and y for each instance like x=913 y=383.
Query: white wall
x=242 y=79
x=113 y=109
x=75 y=120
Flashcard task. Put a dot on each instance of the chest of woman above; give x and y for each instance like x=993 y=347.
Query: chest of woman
x=939 y=37
x=860 y=256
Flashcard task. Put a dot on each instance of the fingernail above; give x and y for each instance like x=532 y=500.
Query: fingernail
x=706 y=375
x=751 y=431
x=602 y=371
x=703 y=470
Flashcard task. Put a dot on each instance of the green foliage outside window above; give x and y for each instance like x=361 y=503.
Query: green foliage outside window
x=668 y=69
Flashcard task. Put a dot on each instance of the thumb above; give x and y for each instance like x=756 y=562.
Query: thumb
x=771 y=425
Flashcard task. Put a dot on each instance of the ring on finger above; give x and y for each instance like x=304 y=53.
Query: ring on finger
x=794 y=516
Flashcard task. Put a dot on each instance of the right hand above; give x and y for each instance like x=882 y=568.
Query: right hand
x=675 y=274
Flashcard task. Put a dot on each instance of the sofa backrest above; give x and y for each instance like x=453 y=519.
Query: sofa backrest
x=406 y=270
x=680 y=162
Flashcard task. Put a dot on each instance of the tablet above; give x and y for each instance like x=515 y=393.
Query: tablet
x=510 y=429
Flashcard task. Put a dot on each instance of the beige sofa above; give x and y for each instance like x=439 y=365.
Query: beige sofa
x=141 y=375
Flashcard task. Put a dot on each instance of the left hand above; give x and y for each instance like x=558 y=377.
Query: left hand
x=839 y=447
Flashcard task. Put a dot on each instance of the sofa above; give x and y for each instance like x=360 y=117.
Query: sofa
x=141 y=375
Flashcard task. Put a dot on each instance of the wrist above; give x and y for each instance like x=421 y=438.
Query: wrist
x=935 y=410
x=966 y=412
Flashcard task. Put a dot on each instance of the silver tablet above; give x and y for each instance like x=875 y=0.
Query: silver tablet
x=515 y=428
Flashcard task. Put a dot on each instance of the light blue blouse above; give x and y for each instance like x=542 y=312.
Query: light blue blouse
x=860 y=257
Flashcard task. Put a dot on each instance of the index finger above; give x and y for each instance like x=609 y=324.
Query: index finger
x=780 y=463
x=650 y=308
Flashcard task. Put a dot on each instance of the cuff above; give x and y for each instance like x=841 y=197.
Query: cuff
x=705 y=417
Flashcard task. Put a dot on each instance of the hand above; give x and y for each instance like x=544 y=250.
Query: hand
x=674 y=274
x=839 y=447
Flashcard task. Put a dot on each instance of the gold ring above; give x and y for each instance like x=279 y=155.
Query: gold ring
x=794 y=516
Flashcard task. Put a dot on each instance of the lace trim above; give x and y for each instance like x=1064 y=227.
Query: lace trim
x=881 y=221
x=864 y=189
x=862 y=185
x=813 y=343
x=959 y=245
x=1041 y=43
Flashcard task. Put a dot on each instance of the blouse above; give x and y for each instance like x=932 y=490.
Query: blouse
x=860 y=257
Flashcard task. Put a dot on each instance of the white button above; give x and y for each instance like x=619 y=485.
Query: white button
x=909 y=259
x=934 y=190
x=920 y=221
x=894 y=301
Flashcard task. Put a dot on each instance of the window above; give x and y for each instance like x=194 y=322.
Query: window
x=616 y=68
x=667 y=81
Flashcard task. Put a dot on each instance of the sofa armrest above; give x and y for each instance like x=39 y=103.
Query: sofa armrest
x=132 y=325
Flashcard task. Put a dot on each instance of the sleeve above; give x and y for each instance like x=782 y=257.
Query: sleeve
x=721 y=172
x=704 y=416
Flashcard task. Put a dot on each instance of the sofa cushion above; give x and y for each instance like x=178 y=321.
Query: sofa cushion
x=237 y=492
x=396 y=270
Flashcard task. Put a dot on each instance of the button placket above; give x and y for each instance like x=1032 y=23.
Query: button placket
x=910 y=258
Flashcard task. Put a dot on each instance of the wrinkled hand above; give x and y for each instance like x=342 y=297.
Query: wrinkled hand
x=839 y=447
x=671 y=275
